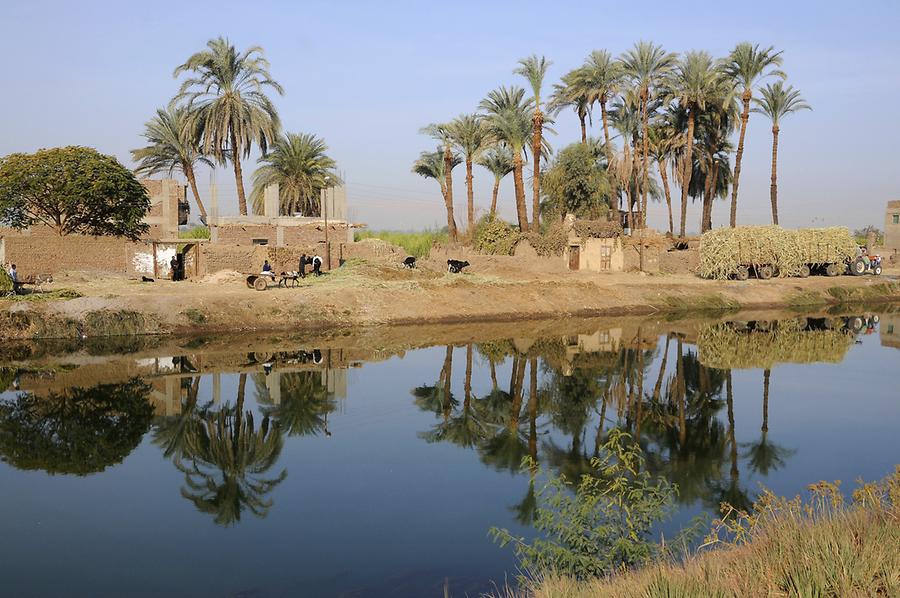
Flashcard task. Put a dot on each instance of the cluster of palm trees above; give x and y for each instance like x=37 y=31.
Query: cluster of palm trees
x=677 y=113
x=219 y=115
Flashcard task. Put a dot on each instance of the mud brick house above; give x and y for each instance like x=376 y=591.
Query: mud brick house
x=892 y=226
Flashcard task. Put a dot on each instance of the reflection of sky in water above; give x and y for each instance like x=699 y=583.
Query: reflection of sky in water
x=376 y=509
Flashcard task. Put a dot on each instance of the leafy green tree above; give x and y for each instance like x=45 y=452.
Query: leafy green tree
x=534 y=68
x=434 y=165
x=646 y=66
x=80 y=431
x=226 y=99
x=777 y=102
x=509 y=119
x=598 y=524
x=747 y=65
x=470 y=136
x=298 y=164
x=499 y=161
x=73 y=190
x=696 y=82
x=173 y=146
x=577 y=182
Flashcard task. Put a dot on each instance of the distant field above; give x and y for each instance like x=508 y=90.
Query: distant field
x=417 y=244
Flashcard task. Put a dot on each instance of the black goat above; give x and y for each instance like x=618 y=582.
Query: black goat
x=456 y=266
x=410 y=262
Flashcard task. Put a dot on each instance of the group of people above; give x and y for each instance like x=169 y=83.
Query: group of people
x=305 y=260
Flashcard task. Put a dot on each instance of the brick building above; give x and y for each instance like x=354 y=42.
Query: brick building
x=892 y=225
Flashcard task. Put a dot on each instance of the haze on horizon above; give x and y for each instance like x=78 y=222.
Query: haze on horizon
x=367 y=76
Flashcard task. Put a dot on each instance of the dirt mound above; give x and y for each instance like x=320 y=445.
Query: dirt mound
x=223 y=277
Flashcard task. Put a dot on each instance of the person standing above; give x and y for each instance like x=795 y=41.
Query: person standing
x=303 y=262
x=173 y=266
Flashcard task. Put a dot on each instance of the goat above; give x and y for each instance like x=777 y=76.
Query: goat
x=456 y=266
x=410 y=262
x=147 y=279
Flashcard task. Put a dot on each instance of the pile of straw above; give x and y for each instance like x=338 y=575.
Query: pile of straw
x=826 y=245
x=723 y=250
x=724 y=347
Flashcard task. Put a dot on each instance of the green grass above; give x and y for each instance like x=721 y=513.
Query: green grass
x=417 y=244
x=713 y=302
x=881 y=291
x=197 y=232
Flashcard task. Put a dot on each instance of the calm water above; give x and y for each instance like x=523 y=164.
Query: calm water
x=234 y=469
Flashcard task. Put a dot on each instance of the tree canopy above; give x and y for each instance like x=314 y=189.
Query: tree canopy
x=578 y=182
x=73 y=190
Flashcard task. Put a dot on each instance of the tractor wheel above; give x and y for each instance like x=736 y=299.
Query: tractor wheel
x=804 y=271
x=765 y=272
x=742 y=273
x=832 y=270
x=858 y=267
x=877 y=270
x=260 y=284
x=856 y=324
x=250 y=281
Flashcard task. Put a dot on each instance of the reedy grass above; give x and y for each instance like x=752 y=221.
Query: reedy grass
x=818 y=547
x=417 y=244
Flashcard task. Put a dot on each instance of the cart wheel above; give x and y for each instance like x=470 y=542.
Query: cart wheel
x=832 y=270
x=250 y=281
x=877 y=270
x=764 y=272
x=742 y=273
x=804 y=271
x=260 y=284
x=856 y=324
x=858 y=267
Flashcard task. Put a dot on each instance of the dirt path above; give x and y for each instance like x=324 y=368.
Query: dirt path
x=363 y=295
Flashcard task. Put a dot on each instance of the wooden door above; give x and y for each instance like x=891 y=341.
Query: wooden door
x=574 y=257
x=605 y=257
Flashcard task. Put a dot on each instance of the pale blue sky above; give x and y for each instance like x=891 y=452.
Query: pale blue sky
x=367 y=76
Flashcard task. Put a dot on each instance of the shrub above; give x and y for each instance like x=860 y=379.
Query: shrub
x=551 y=242
x=495 y=236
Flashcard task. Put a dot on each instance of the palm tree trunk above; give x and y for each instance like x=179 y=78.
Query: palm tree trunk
x=470 y=196
x=688 y=163
x=729 y=396
x=707 y=198
x=189 y=174
x=765 y=422
x=519 y=184
x=238 y=175
x=645 y=95
x=581 y=118
x=448 y=375
x=605 y=127
x=662 y=371
x=538 y=126
x=493 y=375
x=665 y=182
x=518 y=391
x=448 y=192
x=681 y=393
x=773 y=190
x=532 y=411
x=745 y=117
x=494 y=197
x=467 y=386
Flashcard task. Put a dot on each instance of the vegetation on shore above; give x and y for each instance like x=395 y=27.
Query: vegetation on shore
x=417 y=244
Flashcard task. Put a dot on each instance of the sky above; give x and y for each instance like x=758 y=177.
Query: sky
x=366 y=76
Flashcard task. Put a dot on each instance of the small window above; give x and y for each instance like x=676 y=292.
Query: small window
x=890 y=329
x=895 y=219
x=260 y=241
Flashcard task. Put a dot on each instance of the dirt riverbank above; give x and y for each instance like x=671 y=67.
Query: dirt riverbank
x=362 y=295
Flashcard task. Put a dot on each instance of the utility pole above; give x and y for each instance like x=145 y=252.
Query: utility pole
x=325 y=214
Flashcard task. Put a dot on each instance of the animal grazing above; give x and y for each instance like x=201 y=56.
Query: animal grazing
x=147 y=279
x=456 y=266
x=410 y=262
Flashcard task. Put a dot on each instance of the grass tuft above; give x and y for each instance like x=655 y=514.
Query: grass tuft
x=417 y=244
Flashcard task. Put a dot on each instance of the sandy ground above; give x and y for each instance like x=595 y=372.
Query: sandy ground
x=369 y=294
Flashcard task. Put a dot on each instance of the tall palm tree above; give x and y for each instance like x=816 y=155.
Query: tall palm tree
x=764 y=455
x=228 y=105
x=432 y=165
x=626 y=119
x=470 y=136
x=664 y=140
x=602 y=75
x=747 y=65
x=173 y=147
x=441 y=133
x=499 y=161
x=300 y=167
x=572 y=93
x=646 y=66
x=696 y=82
x=509 y=120
x=777 y=102
x=534 y=68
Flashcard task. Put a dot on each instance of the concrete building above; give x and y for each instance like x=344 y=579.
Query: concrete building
x=892 y=226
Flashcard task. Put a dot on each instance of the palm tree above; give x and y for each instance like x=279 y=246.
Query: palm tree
x=763 y=455
x=470 y=136
x=747 y=64
x=499 y=161
x=572 y=93
x=646 y=66
x=300 y=167
x=173 y=147
x=433 y=165
x=441 y=133
x=696 y=81
x=509 y=120
x=228 y=105
x=625 y=117
x=777 y=102
x=533 y=69
x=664 y=139
x=601 y=76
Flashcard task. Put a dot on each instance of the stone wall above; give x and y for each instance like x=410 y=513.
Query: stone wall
x=892 y=228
